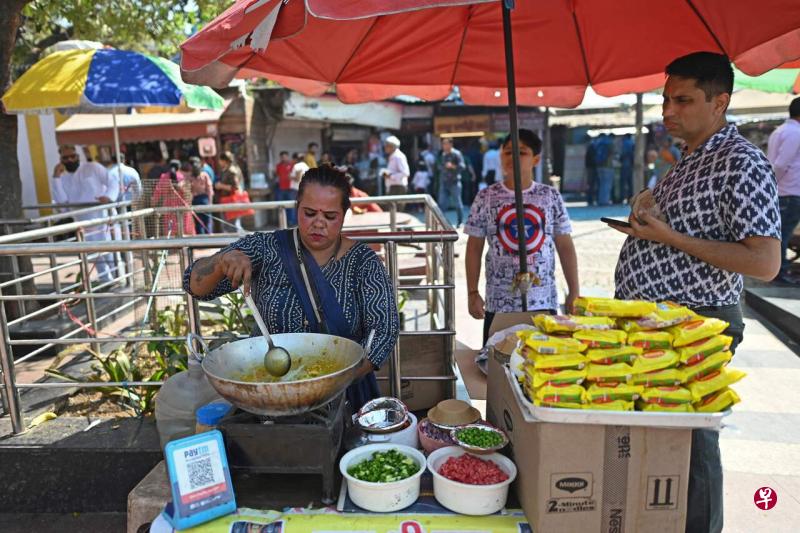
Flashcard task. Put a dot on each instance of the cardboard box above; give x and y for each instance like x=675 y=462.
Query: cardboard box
x=421 y=355
x=583 y=478
x=506 y=320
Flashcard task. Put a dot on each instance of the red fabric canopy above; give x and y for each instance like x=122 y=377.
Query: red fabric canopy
x=375 y=49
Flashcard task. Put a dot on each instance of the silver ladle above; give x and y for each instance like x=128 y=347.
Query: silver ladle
x=277 y=360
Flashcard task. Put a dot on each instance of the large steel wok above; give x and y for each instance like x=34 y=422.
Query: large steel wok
x=225 y=366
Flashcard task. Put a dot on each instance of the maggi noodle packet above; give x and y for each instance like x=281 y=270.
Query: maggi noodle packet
x=651 y=340
x=609 y=373
x=666 y=314
x=718 y=380
x=559 y=405
x=612 y=338
x=665 y=407
x=548 y=345
x=612 y=391
x=655 y=360
x=612 y=307
x=717 y=402
x=668 y=395
x=610 y=405
x=624 y=354
x=556 y=376
x=565 y=393
x=706 y=366
x=670 y=376
x=558 y=323
x=699 y=350
x=689 y=332
x=567 y=360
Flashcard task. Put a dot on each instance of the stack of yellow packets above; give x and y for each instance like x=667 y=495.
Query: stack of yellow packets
x=625 y=355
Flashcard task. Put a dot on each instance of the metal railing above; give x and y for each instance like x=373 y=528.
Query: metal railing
x=435 y=234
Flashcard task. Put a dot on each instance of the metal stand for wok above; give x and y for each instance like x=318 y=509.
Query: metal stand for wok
x=301 y=444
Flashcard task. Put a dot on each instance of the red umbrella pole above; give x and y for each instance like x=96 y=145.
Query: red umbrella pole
x=522 y=248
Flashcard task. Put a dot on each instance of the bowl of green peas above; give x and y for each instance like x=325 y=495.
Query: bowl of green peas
x=479 y=438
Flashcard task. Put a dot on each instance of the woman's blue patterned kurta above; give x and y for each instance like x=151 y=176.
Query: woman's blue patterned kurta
x=359 y=278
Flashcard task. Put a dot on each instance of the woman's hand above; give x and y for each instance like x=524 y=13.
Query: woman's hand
x=476 y=305
x=236 y=266
x=365 y=368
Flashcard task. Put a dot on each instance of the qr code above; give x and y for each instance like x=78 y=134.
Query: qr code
x=200 y=473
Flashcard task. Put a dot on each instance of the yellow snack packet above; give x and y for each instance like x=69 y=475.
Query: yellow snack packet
x=567 y=360
x=557 y=323
x=706 y=366
x=610 y=405
x=558 y=405
x=612 y=338
x=651 y=340
x=695 y=330
x=548 y=345
x=612 y=391
x=699 y=350
x=669 y=376
x=665 y=407
x=624 y=354
x=564 y=393
x=608 y=373
x=666 y=314
x=612 y=307
x=718 y=380
x=717 y=402
x=655 y=360
x=668 y=395
x=556 y=376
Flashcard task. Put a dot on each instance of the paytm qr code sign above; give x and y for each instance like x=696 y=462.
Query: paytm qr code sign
x=199 y=471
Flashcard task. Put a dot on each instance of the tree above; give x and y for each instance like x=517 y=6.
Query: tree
x=28 y=27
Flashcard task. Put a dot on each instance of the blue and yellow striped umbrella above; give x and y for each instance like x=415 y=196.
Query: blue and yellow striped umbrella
x=104 y=80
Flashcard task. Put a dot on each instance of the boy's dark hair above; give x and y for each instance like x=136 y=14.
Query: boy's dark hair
x=297 y=156
x=794 y=108
x=327 y=176
x=312 y=144
x=528 y=138
x=283 y=152
x=712 y=72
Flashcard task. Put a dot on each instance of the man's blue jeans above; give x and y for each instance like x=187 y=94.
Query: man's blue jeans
x=449 y=191
x=704 y=507
x=288 y=194
x=605 y=183
x=790 y=217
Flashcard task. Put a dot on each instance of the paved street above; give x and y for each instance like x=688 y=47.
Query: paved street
x=761 y=441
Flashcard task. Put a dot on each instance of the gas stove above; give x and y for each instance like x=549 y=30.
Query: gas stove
x=308 y=443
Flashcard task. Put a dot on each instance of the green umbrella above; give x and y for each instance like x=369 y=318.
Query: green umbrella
x=779 y=80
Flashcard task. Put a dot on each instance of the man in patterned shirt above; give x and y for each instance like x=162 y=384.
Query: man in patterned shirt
x=720 y=204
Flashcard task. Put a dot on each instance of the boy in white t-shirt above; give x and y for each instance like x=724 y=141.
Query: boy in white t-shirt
x=493 y=218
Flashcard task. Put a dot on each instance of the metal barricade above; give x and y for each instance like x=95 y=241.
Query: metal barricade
x=434 y=234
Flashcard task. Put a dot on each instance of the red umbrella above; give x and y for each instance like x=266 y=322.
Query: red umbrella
x=375 y=49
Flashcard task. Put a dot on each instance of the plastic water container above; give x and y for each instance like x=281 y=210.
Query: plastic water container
x=178 y=401
x=209 y=415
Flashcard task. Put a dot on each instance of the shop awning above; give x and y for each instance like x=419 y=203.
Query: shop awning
x=384 y=115
x=138 y=127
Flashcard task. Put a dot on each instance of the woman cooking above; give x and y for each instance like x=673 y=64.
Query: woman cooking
x=348 y=281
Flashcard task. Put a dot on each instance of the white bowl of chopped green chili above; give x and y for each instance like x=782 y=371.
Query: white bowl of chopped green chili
x=383 y=478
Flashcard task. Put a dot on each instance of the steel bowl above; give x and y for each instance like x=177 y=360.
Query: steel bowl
x=383 y=415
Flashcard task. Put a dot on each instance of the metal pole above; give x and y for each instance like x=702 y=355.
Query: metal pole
x=194 y=323
x=638 y=151
x=17 y=289
x=283 y=221
x=395 y=384
x=393 y=217
x=55 y=273
x=87 y=286
x=522 y=250
x=450 y=312
x=11 y=395
x=126 y=236
x=431 y=295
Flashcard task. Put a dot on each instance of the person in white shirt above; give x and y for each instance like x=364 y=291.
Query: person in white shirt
x=491 y=165
x=79 y=183
x=129 y=180
x=397 y=169
x=783 y=151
